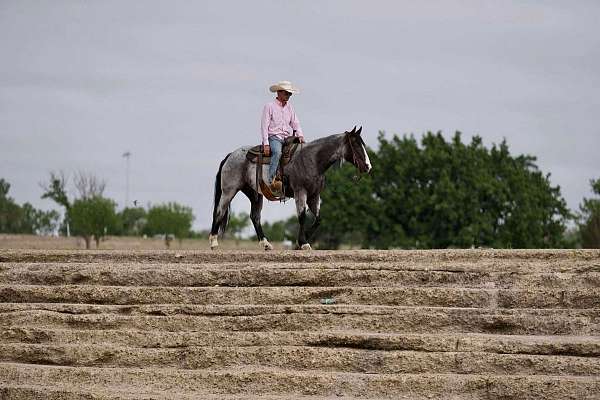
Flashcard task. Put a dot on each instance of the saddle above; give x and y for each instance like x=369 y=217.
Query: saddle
x=290 y=145
x=255 y=155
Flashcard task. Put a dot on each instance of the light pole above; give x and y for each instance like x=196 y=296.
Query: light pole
x=127 y=154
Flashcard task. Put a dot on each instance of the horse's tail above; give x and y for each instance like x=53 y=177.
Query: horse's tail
x=218 y=191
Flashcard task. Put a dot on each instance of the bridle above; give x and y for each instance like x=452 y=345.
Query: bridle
x=356 y=159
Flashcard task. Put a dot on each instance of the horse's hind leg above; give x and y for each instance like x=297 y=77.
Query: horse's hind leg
x=256 y=204
x=220 y=215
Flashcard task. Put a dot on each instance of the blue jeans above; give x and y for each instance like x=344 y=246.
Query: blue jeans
x=276 y=146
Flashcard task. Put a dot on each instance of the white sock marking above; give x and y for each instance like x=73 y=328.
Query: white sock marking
x=367 y=158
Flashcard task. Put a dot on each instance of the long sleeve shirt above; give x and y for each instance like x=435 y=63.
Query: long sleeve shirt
x=279 y=121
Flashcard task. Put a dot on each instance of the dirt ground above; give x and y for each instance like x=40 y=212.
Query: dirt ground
x=132 y=320
x=119 y=243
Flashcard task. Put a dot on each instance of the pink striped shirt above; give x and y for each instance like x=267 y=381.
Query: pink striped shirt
x=279 y=121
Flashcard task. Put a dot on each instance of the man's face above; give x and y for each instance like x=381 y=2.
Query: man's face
x=283 y=96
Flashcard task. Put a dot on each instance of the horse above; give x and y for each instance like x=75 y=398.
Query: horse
x=304 y=176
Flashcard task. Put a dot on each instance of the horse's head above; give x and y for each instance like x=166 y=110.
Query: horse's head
x=356 y=152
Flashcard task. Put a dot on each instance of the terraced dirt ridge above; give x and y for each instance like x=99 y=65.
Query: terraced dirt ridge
x=477 y=324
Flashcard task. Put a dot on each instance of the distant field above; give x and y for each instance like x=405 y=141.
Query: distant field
x=118 y=243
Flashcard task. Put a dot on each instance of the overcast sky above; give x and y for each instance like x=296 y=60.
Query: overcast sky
x=180 y=84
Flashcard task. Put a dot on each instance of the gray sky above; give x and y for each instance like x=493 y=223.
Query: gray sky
x=182 y=83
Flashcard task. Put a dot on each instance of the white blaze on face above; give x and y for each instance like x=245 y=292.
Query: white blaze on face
x=367 y=161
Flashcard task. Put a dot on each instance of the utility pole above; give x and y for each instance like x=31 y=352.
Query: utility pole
x=127 y=155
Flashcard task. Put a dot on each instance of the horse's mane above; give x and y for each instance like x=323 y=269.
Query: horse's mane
x=324 y=138
x=321 y=140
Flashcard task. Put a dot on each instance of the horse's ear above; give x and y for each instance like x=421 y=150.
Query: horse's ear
x=359 y=130
x=353 y=129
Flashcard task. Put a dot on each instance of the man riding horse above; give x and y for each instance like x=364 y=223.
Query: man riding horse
x=304 y=174
x=279 y=121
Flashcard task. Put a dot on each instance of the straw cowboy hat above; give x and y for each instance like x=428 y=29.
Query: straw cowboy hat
x=284 y=85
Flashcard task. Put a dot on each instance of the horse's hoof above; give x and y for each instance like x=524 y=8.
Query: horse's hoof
x=266 y=245
x=305 y=246
x=214 y=243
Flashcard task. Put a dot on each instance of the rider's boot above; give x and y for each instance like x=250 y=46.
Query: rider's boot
x=276 y=187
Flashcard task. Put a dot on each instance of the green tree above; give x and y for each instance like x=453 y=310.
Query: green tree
x=39 y=222
x=47 y=222
x=278 y=231
x=440 y=194
x=169 y=219
x=24 y=219
x=274 y=231
x=55 y=189
x=347 y=209
x=589 y=219
x=10 y=212
x=91 y=204
x=572 y=237
x=237 y=223
x=93 y=217
x=132 y=221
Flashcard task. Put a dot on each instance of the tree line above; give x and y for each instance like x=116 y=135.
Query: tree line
x=432 y=193
x=15 y=218
x=91 y=215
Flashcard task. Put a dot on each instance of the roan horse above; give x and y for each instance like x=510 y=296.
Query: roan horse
x=305 y=177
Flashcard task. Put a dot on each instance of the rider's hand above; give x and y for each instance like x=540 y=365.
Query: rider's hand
x=266 y=150
x=301 y=138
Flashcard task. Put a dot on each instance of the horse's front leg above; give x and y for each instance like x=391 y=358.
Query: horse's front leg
x=256 y=204
x=314 y=205
x=301 y=210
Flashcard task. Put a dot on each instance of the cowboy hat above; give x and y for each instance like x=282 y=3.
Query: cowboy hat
x=284 y=85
